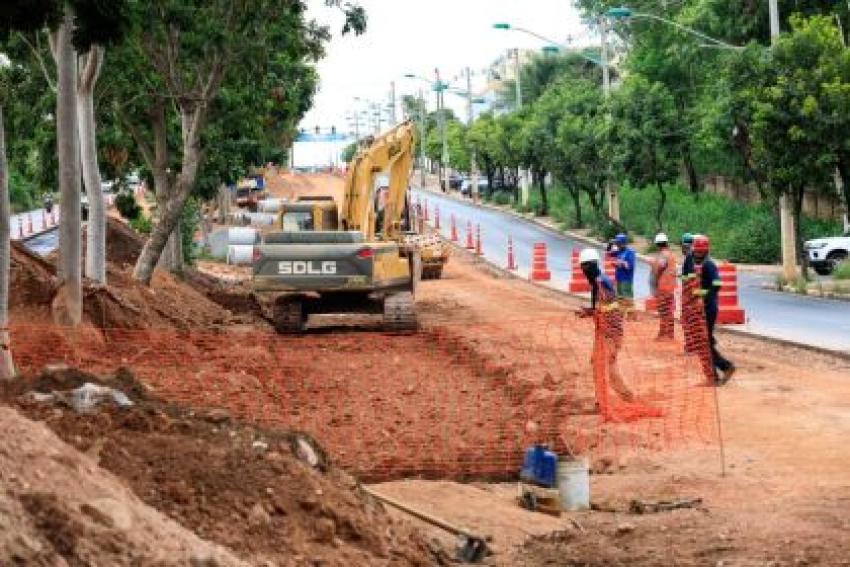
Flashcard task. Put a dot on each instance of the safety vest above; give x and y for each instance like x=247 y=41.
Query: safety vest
x=666 y=275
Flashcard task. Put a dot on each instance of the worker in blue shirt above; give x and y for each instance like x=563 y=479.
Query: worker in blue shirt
x=624 y=270
x=706 y=270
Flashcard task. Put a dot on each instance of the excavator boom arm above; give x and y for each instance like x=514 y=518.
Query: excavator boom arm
x=391 y=152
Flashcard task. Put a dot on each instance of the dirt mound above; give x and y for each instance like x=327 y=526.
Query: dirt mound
x=233 y=484
x=58 y=508
x=123 y=303
x=235 y=295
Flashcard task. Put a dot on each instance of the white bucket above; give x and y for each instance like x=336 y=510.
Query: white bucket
x=574 y=483
x=240 y=254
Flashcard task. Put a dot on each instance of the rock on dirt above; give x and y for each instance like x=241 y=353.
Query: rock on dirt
x=232 y=484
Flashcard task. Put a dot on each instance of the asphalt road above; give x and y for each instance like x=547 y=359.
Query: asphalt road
x=32 y=222
x=818 y=322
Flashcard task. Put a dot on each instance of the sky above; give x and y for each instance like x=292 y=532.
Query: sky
x=405 y=36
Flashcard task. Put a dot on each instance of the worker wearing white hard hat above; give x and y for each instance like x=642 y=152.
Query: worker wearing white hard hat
x=662 y=283
x=608 y=316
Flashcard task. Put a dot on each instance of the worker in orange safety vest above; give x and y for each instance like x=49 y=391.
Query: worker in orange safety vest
x=662 y=283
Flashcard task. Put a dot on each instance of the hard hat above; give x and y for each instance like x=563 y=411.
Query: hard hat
x=661 y=238
x=588 y=255
x=701 y=243
x=621 y=238
x=687 y=238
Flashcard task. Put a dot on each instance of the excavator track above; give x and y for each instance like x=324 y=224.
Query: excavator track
x=400 y=312
x=289 y=317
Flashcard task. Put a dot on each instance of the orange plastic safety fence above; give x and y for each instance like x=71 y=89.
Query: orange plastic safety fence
x=454 y=400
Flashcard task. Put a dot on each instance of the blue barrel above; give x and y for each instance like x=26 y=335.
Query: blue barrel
x=540 y=466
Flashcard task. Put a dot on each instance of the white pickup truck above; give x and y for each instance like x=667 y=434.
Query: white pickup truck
x=824 y=253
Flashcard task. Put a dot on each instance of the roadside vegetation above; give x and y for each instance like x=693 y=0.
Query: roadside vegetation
x=772 y=116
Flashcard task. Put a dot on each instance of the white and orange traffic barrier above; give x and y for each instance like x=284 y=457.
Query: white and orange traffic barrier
x=578 y=282
x=426 y=210
x=478 y=250
x=470 y=245
x=539 y=267
x=29 y=224
x=511 y=259
x=20 y=227
x=437 y=217
x=453 y=229
x=729 y=310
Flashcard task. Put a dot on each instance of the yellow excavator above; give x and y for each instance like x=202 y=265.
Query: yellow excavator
x=364 y=257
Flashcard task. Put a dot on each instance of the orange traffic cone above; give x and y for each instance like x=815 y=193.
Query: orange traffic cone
x=20 y=227
x=729 y=311
x=29 y=223
x=478 y=240
x=437 y=217
x=469 y=244
x=578 y=282
x=426 y=210
x=511 y=260
x=539 y=269
x=454 y=230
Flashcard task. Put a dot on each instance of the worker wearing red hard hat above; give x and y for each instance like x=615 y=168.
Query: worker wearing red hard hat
x=706 y=271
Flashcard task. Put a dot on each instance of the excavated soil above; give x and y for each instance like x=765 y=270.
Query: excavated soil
x=232 y=484
x=124 y=303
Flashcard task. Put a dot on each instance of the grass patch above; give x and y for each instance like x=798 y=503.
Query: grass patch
x=842 y=270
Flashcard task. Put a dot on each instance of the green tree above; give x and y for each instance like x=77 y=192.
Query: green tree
x=646 y=137
x=798 y=87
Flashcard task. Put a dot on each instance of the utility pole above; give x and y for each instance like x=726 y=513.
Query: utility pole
x=786 y=218
x=392 y=104
x=421 y=139
x=441 y=115
x=473 y=167
x=610 y=190
x=523 y=178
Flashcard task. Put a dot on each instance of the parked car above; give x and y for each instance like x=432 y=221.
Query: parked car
x=466 y=186
x=825 y=253
x=455 y=181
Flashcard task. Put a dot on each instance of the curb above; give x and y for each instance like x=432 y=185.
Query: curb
x=844 y=355
x=35 y=235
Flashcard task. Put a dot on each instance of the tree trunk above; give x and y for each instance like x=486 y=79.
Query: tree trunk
x=68 y=305
x=798 y=194
x=690 y=168
x=90 y=64
x=544 y=198
x=172 y=208
x=844 y=190
x=659 y=212
x=574 y=193
x=7 y=364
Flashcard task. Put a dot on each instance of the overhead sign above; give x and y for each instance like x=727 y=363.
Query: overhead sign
x=310 y=137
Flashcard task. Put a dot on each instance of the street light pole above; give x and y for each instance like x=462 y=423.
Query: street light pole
x=421 y=140
x=473 y=167
x=610 y=190
x=786 y=218
x=441 y=116
x=523 y=178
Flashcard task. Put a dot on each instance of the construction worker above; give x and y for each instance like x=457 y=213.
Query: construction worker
x=662 y=283
x=624 y=274
x=709 y=279
x=690 y=306
x=687 y=259
x=608 y=316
